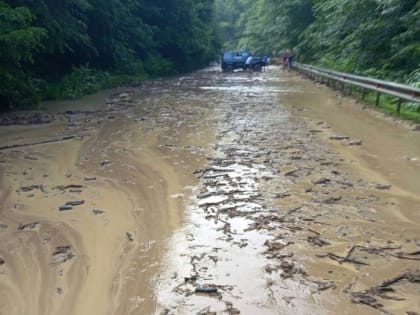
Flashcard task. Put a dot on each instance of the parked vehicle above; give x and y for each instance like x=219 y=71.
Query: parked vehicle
x=232 y=60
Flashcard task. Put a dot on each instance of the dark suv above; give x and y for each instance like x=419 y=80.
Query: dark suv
x=232 y=60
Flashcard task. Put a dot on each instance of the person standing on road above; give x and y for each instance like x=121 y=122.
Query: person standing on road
x=248 y=63
x=266 y=62
x=289 y=60
x=284 y=59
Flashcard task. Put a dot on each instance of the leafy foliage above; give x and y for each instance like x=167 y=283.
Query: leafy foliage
x=80 y=81
x=19 y=40
x=46 y=45
x=377 y=38
x=48 y=42
x=263 y=26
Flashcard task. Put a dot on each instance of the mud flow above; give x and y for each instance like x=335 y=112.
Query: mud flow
x=211 y=193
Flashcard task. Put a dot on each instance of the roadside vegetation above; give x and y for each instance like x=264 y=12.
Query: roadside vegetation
x=64 y=49
x=388 y=105
x=370 y=37
x=379 y=39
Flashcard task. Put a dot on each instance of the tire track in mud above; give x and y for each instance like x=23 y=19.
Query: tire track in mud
x=278 y=222
x=238 y=252
x=272 y=197
x=79 y=218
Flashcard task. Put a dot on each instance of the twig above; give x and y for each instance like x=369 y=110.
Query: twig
x=36 y=143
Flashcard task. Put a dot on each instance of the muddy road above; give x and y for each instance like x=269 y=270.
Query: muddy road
x=210 y=193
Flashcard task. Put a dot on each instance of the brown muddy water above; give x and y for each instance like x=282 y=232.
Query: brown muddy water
x=211 y=193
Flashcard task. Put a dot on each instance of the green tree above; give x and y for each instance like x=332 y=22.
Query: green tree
x=263 y=26
x=87 y=39
x=68 y=42
x=19 y=40
x=378 y=38
x=182 y=31
x=365 y=36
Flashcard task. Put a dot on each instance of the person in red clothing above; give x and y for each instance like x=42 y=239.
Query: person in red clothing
x=285 y=59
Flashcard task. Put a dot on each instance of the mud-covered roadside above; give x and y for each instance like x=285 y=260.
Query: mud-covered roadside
x=89 y=195
x=208 y=194
x=284 y=222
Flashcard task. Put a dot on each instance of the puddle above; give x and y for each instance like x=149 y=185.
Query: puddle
x=247 y=89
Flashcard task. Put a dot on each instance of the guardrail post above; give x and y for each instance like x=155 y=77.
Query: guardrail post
x=378 y=95
x=363 y=94
x=399 y=105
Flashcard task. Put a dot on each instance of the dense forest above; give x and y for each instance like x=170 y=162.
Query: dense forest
x=63 y=49
x=379 y=38
x=60 y=49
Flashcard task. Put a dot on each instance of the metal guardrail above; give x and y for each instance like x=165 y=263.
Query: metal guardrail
x=401 y=91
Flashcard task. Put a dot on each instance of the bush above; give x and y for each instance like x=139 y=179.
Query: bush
x=19 y=91
x=82 y=81
x=156 y=65
x=414 y=80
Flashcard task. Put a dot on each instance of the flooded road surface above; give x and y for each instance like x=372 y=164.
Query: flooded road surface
x=209 y=194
